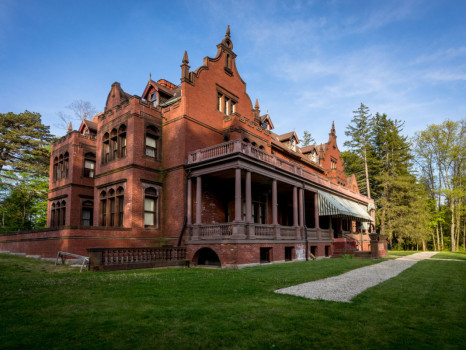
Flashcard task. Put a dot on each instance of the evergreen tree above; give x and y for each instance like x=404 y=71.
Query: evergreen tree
x=24 y=142
x=307 y=139
x=359 y=133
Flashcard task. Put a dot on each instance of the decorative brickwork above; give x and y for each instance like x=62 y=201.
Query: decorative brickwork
x=195 y=165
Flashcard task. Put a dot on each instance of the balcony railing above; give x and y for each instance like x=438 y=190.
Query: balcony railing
x=239 y=146
x=241 y=230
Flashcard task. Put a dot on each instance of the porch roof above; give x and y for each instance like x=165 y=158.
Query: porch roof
x=332 y=205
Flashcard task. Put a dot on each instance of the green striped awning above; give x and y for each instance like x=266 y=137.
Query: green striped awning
x=331 y=205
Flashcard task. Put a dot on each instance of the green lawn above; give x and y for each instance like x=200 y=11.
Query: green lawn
x=43 y=306
x=450 y=255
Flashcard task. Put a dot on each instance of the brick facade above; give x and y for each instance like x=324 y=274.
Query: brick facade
x=195 y=164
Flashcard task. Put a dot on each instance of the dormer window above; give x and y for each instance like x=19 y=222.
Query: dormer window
x=293 y=144
x=314 y=157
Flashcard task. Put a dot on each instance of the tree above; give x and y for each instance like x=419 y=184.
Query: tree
x=359 y=134
x=24 y=147
x=307 y=139
x=82 y=110
x=441 y=156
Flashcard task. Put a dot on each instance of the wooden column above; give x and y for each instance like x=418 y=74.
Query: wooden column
x=301 y=207
x=198 y=200
x=238 y=211
x=295 y=206
x=189 y=213
x=248 y=198
x=274 y=203
x=316 y=209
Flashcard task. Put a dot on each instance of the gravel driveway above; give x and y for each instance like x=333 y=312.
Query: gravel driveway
x=346 y=286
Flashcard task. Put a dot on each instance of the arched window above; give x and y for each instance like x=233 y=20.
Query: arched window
x=55 y=169
x=106 y=148
x=151 y=141
x=103 y=209
x=63 y=213
x=89 y=165
x=111 y=203
x=87 y=213
x=57 y=215
x=120 y=206
x=113 y=145
x=122 y=141
x=60 y=167
x=53 y=219
x=150 y=207
x=66 y=165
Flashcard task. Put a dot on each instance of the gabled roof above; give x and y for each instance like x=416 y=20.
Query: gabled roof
x=91 y=126
x=287 y=136
x=266 y=118
x=162 y=86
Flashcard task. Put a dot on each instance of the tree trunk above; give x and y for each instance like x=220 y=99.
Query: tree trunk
x=433 y=240
x=441 y=236
x=424 y=245
x=438 y=236
x=452 y=227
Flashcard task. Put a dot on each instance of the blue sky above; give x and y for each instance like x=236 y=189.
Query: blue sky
x=308 y=62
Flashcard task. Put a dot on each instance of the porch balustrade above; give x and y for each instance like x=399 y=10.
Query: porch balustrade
x=239 y=146
x=249 y=231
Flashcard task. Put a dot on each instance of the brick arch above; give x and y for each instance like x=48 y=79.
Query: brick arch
x=206 y=256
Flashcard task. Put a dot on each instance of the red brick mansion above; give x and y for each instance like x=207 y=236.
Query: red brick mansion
x=198 y=165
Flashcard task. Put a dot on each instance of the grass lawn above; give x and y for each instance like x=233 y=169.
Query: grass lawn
x=450 y=255
x=43 y=306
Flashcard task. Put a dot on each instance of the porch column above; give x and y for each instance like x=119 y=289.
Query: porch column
x=238 y=213
x=274 y=202
x=248 y=198
x=198 y=200
x=316 y=210
x=301 y=207
x=295 y=206
x=189 y=213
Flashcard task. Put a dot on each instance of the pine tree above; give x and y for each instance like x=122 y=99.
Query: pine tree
x=307 y=139
x=359 y=134
x=24 y=147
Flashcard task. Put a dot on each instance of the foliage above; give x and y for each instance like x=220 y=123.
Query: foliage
x=24 y=147
x=450 y=255
x=441 y=159
x=307 y=139
x=359 y=133
x=50 y=307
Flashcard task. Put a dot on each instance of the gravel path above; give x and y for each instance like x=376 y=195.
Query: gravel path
x=346 y=286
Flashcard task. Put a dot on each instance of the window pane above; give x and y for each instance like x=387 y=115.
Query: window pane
x=149 y=219
x=150 y=141
x=149 y=204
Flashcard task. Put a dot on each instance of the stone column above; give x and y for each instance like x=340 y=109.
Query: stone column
x=248 y=198
x=198 y=200
x=274 y=203
x=189 y=213
x=238 y=211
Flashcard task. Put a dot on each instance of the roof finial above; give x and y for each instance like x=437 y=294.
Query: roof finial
x=333 y=127
x=185 y=58
x=228 y=32
x=256 y=106
x=70 y=128
x=150 y=76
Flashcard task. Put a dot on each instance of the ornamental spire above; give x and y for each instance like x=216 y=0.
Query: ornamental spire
x=185 y=58
x=227 y=35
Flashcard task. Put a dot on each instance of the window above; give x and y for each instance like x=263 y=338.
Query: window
x=122 y=141
x=106 y=148
x=114 y=145
x=89 y=165
x=314 y=157
x=103 y=209
x=150 y=207
x=111 y=202
x=53 y=216
x=120 y=206
x=57 y=215
x=333 y=164
x=225 y=104
x=55 y=169
x=293 y=144
x=151 y=142
x=87 y=213
x=66 y=165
